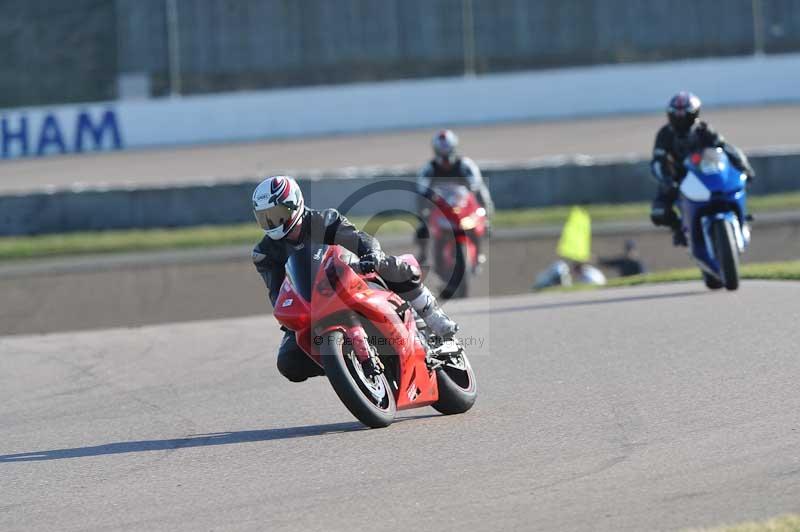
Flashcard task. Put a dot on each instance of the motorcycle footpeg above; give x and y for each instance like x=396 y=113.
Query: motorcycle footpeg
x=433 y=363
x=443 y=348
x=447 y=354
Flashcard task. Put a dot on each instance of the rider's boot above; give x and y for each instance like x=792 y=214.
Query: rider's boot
x=746 y=230
x=678 y=235
x=478 y=268
x=433 y=315
x=480 y=255
x=679 y=239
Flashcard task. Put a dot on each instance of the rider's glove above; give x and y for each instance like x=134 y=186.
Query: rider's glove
x=372 y=261
x=707 y=136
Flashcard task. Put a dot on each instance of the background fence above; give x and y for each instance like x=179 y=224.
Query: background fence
x=370 y=192
x=57 y=51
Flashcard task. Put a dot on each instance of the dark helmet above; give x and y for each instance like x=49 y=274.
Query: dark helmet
x=682 y=111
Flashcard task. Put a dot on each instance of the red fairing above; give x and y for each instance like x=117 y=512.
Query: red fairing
x=456 y=218
x=294 y=313
x=291 y=310
x=342 y=300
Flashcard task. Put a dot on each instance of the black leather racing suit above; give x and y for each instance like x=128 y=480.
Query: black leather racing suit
x=669 y=152
x=463 y=171
x=325 y=227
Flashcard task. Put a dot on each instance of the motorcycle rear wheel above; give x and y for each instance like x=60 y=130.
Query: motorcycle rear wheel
x=370 y=400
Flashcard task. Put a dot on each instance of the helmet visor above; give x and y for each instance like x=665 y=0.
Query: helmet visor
x=273 y=217
x=682 y=121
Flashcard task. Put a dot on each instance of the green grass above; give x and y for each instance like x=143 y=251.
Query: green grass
x=776 y=271
x=125 y=241
x=627 y=211
x=768 y=270
x=12 y=248
x=785 y=523
x=774 y=202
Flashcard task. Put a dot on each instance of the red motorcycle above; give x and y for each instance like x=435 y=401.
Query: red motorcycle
x=376 y=352
x=457 y=225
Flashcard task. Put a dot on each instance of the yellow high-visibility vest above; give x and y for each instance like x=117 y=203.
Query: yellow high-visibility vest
x=576 y=237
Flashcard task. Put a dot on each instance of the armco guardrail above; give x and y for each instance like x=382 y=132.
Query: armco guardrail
x=559 y=181
x=578 y=179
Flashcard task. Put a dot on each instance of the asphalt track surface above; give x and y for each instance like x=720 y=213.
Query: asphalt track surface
x=593 y=414
x=750 y=128
x=49 y=295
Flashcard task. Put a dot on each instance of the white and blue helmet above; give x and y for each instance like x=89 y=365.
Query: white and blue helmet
x=444 y=144
x=278 y=205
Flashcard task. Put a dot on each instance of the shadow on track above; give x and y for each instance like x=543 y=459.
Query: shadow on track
x=567 y=304
x=197 y=440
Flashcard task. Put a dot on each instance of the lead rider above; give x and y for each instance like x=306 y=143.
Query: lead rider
x=280 y=210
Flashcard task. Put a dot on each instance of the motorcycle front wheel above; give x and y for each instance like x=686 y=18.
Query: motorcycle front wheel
x=712 y=283
x=727 y=253
x=369 y=399
x=457 y=387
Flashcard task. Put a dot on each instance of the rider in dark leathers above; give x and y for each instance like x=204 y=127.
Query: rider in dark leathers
x=683 y=135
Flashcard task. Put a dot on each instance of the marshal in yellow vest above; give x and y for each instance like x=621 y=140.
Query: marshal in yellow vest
x=576 y=237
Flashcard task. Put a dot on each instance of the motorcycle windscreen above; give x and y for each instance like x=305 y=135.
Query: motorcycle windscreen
x=717 y=173
x=453 y=194
x=302 y=267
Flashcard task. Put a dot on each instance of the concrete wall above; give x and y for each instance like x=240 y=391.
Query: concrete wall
x=550 y=94
x=559 y=182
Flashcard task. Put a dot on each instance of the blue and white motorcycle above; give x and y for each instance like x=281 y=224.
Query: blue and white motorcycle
x=714 y=216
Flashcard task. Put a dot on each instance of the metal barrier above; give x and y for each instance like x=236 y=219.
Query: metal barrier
x=563 y=181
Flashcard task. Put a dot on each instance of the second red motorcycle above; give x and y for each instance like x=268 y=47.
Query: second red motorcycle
x=457 y=226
